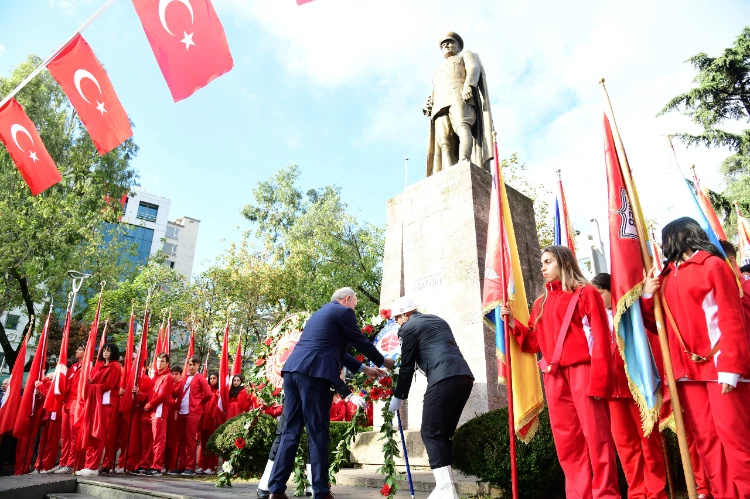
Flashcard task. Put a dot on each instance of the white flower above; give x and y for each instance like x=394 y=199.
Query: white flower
x=247 y=426
x=376 y=320
x=227 y=467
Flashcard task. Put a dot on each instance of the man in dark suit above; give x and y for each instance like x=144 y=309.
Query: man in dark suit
x=427 y=342
x=310 y=374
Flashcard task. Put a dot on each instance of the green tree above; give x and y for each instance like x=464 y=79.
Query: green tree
x=515 y=175
x=315 y=244
x=62 y=228
x=721 y=95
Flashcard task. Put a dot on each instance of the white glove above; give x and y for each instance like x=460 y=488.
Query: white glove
x=358 y=401
x=396 y=404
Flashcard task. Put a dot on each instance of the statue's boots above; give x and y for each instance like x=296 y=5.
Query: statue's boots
x=444 y=488
x=263 y=492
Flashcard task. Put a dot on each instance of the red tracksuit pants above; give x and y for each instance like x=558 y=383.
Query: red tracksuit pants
x=642 y=458
x=158 y=442
x=95 y=451
x=174 y=435
x=701 y=480
x=131 y=454
x=208 y=460
x=49 y=444
x=187 y=425
x=69 y=437
x=147 y=439
x=720 y=426
x=116 y=440
x=580 y=427
x=25 y=449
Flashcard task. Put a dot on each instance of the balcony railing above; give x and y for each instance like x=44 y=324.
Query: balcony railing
x=146 y=216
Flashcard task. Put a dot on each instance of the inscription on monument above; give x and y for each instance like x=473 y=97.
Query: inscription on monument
x=428 y=281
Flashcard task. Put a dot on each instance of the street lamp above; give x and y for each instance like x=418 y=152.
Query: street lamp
x=78 y=278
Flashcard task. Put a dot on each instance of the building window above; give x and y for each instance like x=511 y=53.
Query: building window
x=11 y=321
x=147 y=211
x=169 y=264
x=172 y=232
x=170 y=249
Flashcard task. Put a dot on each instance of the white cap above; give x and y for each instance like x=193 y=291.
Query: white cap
x=403 y=305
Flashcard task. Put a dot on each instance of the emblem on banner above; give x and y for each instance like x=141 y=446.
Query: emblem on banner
x=387 y=341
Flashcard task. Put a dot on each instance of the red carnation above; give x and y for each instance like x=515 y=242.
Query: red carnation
x=261 y=386
x=385 y=314
x=368 y=329
x=360 y=358
x=387 y=394
x=376 y=393
x=260 y=361
x=386 y=490
x=240 y=443
x=268 y=341
x=386 y=381
x=276 y=392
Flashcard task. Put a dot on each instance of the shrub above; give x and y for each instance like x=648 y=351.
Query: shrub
x=259 y=442
x=481 y=449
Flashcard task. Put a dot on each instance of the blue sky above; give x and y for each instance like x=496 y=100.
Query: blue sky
x=337 y=86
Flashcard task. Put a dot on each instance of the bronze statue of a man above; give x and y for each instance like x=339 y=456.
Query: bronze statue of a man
x=459 y=110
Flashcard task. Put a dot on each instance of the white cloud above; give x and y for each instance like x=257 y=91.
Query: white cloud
x=543 y=63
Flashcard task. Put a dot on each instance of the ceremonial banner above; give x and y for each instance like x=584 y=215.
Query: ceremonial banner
x=137 y=366
x=29 y=408
x=302 y=2
x=237 y=362
x=224 y=379
x=19 y=136
x=564 y=235
x=627 y=288
x=86 y=365
x=56 y=393
x=743 y=232
x=191 y=349
x=89 y=89
x=528 y=401
x=704 y=202
x=188 y=41
x=12 y=396
x=127 y=398
x=158 y=348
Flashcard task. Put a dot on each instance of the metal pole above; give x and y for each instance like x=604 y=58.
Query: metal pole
x=54 y=54
x=406 y=456
x=406 y=172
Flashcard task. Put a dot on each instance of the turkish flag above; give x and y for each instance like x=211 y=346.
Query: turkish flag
x=19 y=136
x=188 y=41
x=89 y=89
x=302 y=2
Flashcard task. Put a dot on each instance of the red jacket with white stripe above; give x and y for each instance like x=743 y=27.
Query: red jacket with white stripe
x=705 y=301
x=588 y=340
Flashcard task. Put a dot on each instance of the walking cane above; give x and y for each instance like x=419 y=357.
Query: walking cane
x=406 y=456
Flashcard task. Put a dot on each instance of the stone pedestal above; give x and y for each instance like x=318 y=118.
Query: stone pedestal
x=435 y=245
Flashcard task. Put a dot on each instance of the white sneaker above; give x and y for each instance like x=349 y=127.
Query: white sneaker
x=87 y=472
x=119 y=471
x=209 y=472
x=47 y=472
x=444 y=488
x=62 y=470
x=198 y=471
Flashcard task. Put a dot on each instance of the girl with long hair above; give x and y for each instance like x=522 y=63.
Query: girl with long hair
x=103 y=390
x=709 y=351
x=238 y=398
x=577 y=373
x=208 y=461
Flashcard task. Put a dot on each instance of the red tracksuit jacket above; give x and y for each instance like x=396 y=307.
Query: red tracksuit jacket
x=160 y=393
x=71 y=381
x=200 y=394
x=705 y=301
x=587 y=342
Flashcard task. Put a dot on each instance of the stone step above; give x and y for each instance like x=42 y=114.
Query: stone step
x=69 y=495
x=35 y=486
x=423 y=481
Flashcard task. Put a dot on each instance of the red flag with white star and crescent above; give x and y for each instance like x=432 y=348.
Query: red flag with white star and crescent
x=188 y=41
x=90 y=90
x=19 y=136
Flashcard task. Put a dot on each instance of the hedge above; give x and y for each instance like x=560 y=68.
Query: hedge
x=258 y=444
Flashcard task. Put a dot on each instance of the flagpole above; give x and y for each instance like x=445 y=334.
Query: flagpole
x=648 y=264
x=406 y=172
x=43 y=65
x=506 y=332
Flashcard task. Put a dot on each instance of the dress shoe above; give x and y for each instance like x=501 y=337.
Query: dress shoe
x=263 y=494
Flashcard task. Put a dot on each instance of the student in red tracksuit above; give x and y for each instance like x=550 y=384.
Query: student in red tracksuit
x=25 y=445
x=578 y=389
x=154 y=435
x=641 y=457
x=193 y=394
x=49 y=440
x=709 y=350
x=69 y=433
x=173 y=434
x=141 y=436
x=238 y=398
x=102 y=392
x=209 y=422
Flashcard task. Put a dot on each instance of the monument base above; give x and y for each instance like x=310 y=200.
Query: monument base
x=367 y=450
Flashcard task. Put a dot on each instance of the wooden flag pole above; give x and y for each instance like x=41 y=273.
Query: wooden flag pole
x=506 y=333
x=663 y=341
